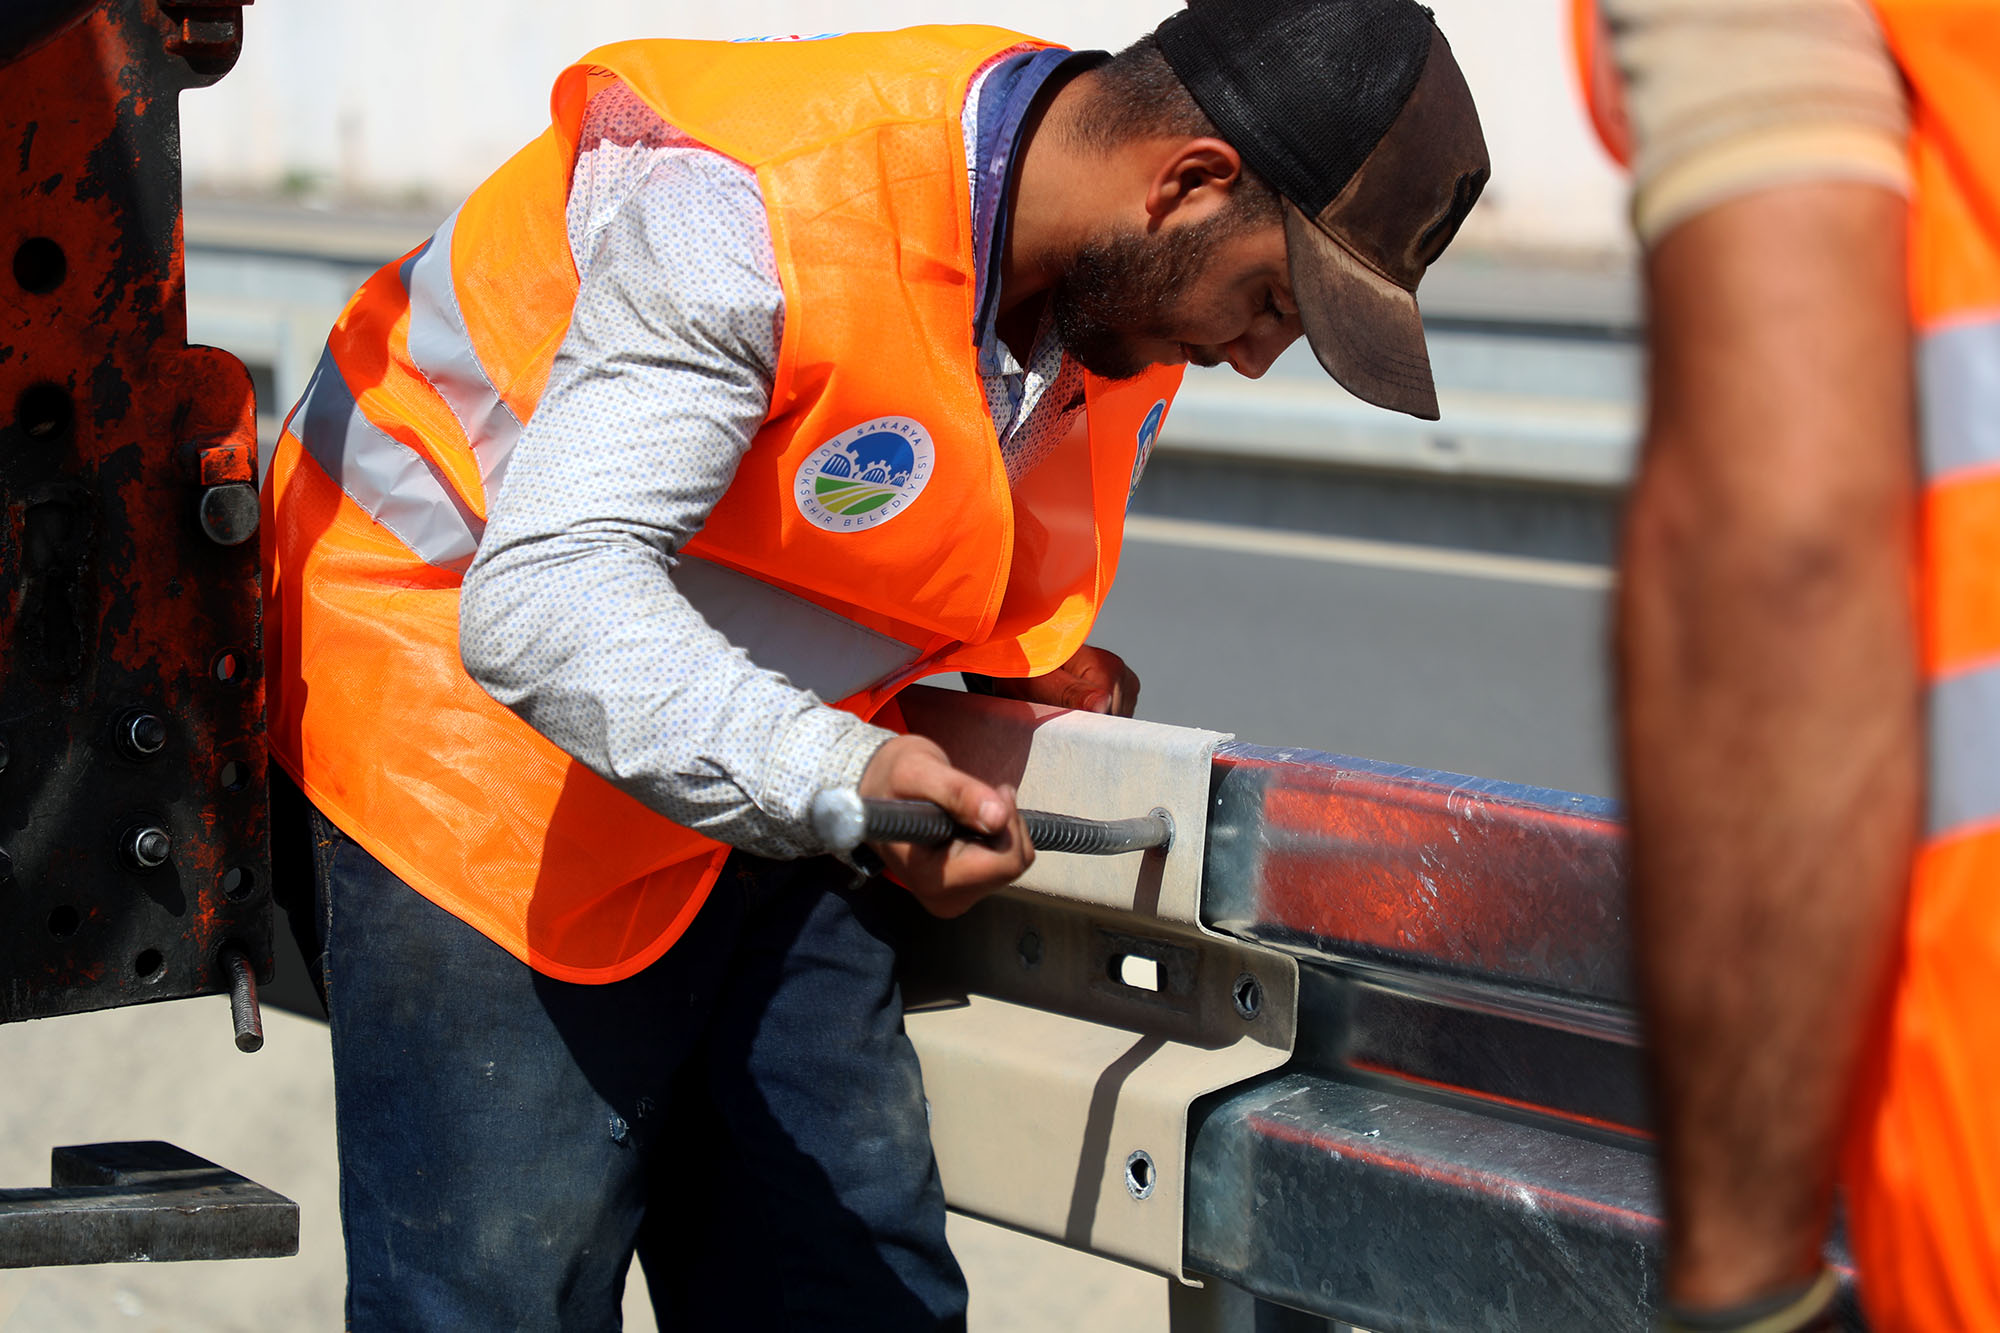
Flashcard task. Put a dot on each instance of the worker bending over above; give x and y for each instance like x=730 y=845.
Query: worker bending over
x=773 y=377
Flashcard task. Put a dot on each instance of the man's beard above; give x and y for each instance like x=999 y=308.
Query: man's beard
x=1127 y=285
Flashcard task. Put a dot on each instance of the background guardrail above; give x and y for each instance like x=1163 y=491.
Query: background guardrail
x=1537 y=363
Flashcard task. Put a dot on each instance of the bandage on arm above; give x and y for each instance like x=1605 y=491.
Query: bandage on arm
x=1727 y=97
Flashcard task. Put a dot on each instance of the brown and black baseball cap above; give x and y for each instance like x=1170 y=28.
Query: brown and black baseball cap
x=1357 y=114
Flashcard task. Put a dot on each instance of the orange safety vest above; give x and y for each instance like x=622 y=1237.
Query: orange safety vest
x=870 y=536
x=1923 y=1167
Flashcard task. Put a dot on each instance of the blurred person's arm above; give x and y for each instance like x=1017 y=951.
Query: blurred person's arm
x=1766 y=630
x=1771 y=709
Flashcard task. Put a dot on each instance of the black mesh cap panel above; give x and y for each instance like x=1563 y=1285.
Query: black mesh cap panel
x=1304 y=89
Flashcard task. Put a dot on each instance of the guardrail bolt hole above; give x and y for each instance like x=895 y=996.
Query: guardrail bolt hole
x=63 y=922
x=228 y=666
x=1030 y=949
x=150 y=965
x=236 y=883
x=1248 y=992
x=1140 y=1175
x=1140 y=973
x=235 y=775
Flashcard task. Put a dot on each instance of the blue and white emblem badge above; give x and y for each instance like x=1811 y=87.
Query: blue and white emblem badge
x=1149 y=431
x=863 y=477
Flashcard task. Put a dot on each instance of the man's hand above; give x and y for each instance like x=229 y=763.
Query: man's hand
x=1096 y=680
x=948 y=880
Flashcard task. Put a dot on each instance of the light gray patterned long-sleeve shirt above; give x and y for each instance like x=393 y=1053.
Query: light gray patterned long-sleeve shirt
x=569 y=615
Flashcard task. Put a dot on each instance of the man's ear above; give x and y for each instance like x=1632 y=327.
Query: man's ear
x=1192 y=181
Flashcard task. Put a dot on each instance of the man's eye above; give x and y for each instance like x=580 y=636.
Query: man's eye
x=1271 y=307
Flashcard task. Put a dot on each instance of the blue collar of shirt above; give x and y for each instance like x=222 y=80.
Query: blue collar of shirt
x=1005 y=98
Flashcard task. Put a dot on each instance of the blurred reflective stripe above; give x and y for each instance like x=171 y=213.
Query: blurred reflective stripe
x=1958 y=371
x=391 y=482
x=1965 y=750
x=442 y=350
x=810 y=646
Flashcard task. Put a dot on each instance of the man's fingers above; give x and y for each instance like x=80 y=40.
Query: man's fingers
x=1127 y=700
x=1080 y=692
x=950 y=880
x=970 y=801
x=1109 y=686
x=1002 y=857
x=964 y=797
x=1095 y=680
x=911 y=768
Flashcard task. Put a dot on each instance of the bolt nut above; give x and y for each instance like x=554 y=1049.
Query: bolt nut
x=146 y=847
x=229 y=513
x=141 y=734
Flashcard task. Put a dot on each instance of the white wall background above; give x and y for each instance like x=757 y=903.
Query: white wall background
x=422 y=98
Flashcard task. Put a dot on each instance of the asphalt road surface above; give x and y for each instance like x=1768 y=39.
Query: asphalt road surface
x=1480 y=664
x=171 y=1071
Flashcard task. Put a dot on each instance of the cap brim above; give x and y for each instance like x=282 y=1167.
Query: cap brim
x=1363 y=328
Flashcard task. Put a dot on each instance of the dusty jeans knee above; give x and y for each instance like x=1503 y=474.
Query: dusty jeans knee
x=745 y=1111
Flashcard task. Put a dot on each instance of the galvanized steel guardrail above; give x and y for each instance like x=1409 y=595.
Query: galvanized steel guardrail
x=1381 y=1065
x=1460 y=1140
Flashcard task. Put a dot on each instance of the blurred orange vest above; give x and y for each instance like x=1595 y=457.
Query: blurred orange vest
x=870 y=536
x=1923 y=1170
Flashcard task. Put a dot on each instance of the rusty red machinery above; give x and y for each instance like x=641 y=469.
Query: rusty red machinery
x=134 y=815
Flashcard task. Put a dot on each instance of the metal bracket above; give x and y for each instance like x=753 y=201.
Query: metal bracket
x=120 y=1202
x=133 y=802
x=1066 y=1026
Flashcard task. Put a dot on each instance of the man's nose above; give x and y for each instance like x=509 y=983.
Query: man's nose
x=1252 y=354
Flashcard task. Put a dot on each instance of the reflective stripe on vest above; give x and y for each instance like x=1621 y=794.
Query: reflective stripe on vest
x=440 y=347
x=1964 y=751
x=802 y=641
x=399 y=487
x=1958 y=370
x=392 y=483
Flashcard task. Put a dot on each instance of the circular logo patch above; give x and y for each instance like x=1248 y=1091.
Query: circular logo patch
x=1149 y=431
x=862 y=478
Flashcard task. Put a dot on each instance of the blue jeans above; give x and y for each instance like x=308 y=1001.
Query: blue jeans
x=745 y=1114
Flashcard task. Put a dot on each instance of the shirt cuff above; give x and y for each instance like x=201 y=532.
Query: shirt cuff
x=820 y=748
